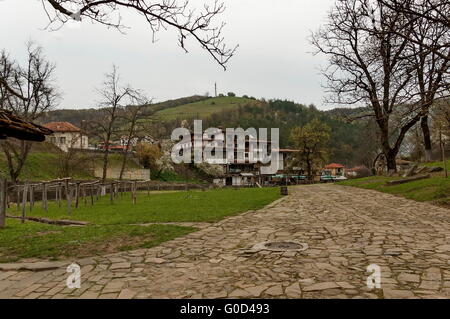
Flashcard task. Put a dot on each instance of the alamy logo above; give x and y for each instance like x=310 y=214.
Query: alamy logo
x=74 y=279
x=374 y=280
x=235 y=146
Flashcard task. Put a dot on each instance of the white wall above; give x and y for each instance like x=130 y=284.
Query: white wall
x=66 y=140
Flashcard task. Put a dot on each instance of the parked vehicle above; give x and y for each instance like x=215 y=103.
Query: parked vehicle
x=332 y=178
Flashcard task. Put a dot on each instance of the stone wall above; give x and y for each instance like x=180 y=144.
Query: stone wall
x=133 y=174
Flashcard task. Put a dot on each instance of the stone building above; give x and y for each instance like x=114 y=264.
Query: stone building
x=66 y=135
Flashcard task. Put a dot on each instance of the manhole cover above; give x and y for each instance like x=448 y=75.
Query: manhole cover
x=280 y=246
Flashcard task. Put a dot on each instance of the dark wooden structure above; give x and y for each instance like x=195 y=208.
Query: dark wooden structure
x=13 y=126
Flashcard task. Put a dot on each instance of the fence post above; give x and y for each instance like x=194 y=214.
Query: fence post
x=77 y=194
x=3 y=191
x=69 y=199
x=111 y=193
x=44 y=196
x=31 y=197
x=134 y=192
x=18 y=197
x=84 y=195
x=24 y=201
x=92 y=194
x=59 y=191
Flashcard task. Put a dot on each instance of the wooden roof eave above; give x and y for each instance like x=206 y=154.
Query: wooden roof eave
x=14 y=126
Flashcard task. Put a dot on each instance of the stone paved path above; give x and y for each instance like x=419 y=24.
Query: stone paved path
x=346 y=230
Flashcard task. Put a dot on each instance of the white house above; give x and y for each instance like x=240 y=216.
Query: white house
x=66 y=135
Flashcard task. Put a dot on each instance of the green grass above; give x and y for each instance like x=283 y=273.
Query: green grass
x=34 y=168
x=111 y=226
x=34 y=240
x=170 y=176
x=434 y=189
x=438 y=164
x=115 y=161
x=184 y=206
x=45 y=166
x=203 y=108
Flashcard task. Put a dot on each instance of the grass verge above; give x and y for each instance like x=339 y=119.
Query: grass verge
x=184 y=206
x=111 y=226
x=434 y=189
x=34 y=240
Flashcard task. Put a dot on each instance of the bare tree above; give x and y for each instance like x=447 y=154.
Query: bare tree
x=434 y=11
x=131 y=115
x=72 y=159
x=370 y=63
x=312 y=142
x=28 y=92
x=431 y=73
x=427 y=30
x=114 y=98
x=161 y=14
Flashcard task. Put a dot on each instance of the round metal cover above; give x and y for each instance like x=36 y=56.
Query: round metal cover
x=281 y=246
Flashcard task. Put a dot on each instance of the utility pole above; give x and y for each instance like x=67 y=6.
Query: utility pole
x=215 y=89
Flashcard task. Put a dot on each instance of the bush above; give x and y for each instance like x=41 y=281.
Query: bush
x=362 y=171
x=148 y=154
x=231 y=94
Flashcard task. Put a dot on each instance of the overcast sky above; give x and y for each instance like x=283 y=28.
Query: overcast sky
x=274 y=58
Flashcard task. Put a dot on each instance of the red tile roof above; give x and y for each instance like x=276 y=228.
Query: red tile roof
x=334 y=165
x=62 y=127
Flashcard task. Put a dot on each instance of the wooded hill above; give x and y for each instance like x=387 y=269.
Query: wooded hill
x=351 y=143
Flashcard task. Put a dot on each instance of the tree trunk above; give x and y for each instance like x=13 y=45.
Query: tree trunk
x=390 y=161
x=426 y=138
x=3 y=200
x=20 y=156
x=309 y=167
x=105 y=160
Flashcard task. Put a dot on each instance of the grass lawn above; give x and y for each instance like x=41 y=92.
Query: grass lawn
x=203 y=108
x=35 y=240
x=40 y=166
x=170 y=176
x=190 y=206
x=44 y=165
x=438 y=164
x=434 y=189
x=111 y=225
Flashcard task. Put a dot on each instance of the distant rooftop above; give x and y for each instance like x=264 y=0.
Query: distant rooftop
x=334 y=165
x=62 y=127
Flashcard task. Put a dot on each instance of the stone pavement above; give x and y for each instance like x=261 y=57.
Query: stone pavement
x=346 y=230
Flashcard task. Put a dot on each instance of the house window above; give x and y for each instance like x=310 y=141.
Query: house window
x=53 y=140
x=62 y=140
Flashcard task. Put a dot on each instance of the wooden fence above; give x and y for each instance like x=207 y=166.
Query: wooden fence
x=74 y=192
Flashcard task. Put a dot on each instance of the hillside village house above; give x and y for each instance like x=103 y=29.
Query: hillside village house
x=66 y=135
x=334 y=169
x=233 y=172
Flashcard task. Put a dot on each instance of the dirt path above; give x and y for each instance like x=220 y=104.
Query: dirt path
x=346 y=230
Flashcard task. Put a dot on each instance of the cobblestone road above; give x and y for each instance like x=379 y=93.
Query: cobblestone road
x=346 y=230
